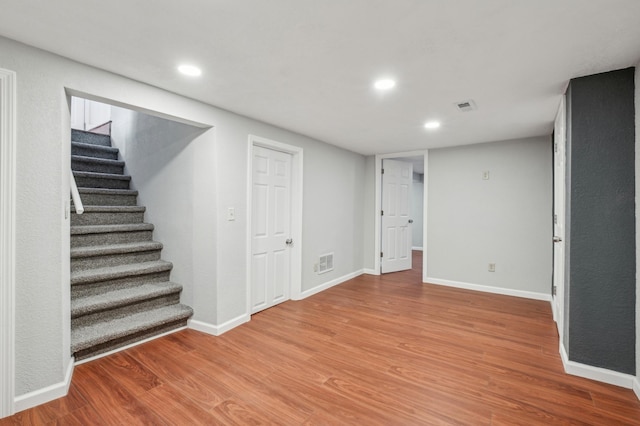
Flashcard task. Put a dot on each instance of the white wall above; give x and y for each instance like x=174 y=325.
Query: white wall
x=369 y=223
x=332 y=219
x=417 y=213
x=505 y=220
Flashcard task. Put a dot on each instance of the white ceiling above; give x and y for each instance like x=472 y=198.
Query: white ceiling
x=309 y=65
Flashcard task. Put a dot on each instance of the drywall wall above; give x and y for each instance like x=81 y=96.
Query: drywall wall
x=505 y=219
x=161 y=156
x=369 y=223
x=332 y=219
x=417 y=207
x=602 y=276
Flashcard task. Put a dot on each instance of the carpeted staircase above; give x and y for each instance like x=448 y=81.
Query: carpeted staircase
x=120 y=288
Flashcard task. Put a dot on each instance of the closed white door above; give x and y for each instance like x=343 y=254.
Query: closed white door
x=559 y=179
x=397 y=179
x=271 y=228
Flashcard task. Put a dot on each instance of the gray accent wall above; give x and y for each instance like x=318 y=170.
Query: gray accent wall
x=601 y=265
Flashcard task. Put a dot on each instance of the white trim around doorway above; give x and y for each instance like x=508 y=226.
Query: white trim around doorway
x=378 y=207
x=7 y=240
x=296 y=213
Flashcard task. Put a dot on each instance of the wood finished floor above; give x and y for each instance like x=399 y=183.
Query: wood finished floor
x=373 y=351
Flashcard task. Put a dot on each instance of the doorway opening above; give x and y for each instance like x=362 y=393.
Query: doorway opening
x=417 y=191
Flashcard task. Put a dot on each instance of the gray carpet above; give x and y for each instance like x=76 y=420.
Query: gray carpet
x=120 y=287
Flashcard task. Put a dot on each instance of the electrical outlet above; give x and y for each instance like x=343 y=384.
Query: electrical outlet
x=315 y=267
x=485 y=175
x=492 y=267
x=231 y=214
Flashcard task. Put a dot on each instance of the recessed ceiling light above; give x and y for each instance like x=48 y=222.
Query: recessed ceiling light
x=190 y=70
x=431 y=124
x=384 y=84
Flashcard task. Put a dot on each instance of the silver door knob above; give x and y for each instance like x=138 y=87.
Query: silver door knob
x=557 y=239
x=410 y=220
x=289 y=242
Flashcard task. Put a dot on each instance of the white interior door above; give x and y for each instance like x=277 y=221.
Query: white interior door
x=271 y=228
x=559 y=148
x=396 y=235
x=87 y=115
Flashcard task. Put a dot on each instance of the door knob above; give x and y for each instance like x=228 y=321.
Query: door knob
x=557 y=239
x=410 y=220
x=289 y=242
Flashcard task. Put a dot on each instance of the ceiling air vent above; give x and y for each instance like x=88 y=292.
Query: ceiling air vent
x=466 y=106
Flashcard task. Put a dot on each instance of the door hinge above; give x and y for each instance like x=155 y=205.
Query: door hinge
x=382 y=171
x=381 y=254
x=381 y=212
x=555 y=219
x=555 y=147
x=554 y=290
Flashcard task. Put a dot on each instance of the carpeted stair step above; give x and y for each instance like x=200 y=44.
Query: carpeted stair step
x=97 y=165
x=95 y=151
x=92 y=235
x=108 y=215
x=108 y=274
x=108 y=197
x=101 y=180
x=83 y=136
x=90 y=340
x=92 y=257
x=118 y=303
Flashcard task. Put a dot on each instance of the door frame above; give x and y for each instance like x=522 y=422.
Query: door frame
x=7 y=240
x=378 y=206
x=557 y=300
x=295 y=288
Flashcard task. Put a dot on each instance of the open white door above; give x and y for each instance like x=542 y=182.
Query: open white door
x=559 y=179
x=271 y=228
x=396 y=235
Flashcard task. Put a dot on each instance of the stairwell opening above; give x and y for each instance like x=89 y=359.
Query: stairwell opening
x=131 y=251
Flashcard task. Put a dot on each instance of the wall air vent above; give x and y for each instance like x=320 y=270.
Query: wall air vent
x=326 y=263
x=466 y=106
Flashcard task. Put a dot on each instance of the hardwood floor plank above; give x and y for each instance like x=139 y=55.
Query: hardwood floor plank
x=375 y=350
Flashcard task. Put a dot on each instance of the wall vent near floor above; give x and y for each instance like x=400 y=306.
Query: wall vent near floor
x=466 y=106
x=326 y=263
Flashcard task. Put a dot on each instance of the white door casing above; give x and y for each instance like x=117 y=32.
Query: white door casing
x=271 y=228
x=559 y=182
x=7 y=240
x=396 y=234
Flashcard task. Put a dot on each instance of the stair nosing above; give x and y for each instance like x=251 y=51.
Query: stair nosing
x=104 y=229
x=97 y=175
x=117 y=298
x=88 y=159
x=126 y=326
x=121 y=271
x=106 y=191
x=109 y=249
x=113 y=209
x=99 y=147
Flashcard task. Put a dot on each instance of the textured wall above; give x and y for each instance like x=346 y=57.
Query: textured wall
x=333 y=201
x=602 y=221
x=417 y=210
x=504 y=220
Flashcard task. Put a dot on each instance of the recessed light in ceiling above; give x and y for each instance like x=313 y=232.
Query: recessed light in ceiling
x=431 y=124
x=190 y=70
x=384 y=84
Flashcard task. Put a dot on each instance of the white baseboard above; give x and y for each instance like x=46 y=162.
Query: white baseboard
x=370 y=272
x=490 y=289
x=636 y=387
x=417 y=248
x=596 y=373
x=330 y=284
x=44 y=395
x=217 y=330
